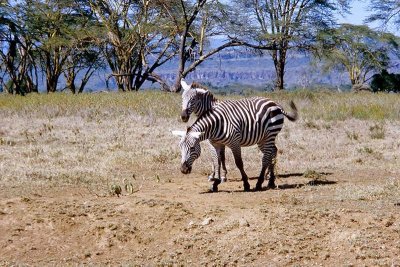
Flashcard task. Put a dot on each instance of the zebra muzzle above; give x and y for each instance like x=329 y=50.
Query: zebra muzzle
x=184 y=116
x=185 y=169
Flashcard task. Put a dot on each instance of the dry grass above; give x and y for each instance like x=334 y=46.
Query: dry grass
x=104 y=138
x=64 y=160
x=314 y=105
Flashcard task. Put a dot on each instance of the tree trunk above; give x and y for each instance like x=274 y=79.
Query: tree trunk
x=51 y=84
x=279 y=58
x=182 y=60
x=51 y=75
x=280 y=73
x=32 y=88
x=70 y=81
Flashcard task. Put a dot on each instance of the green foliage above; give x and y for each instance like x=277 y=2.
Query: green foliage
x=386 y=82
x=279 y=26
x=385 y=11
x=356 y=49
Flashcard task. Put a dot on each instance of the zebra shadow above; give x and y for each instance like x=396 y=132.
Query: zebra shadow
x=294 y=174
x=315 y=182
x=285 y=186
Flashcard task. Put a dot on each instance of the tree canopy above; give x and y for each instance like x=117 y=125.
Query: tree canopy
x=357 y=49
x=281 y=25
x=45 y=41
x=385 y=11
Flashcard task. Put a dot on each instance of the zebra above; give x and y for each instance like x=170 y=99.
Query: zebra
x=237 y=123
x=198 y=100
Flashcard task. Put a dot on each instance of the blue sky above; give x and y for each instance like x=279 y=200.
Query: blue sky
x=359 y=11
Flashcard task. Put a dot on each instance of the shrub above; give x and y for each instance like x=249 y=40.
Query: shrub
x=386 y=82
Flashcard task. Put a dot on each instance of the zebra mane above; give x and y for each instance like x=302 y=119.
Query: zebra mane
x=207 y=93
x=199 y=85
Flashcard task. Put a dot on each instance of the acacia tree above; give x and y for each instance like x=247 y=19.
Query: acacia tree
x=281 y=25
x=84 y=60
x=58 y=28
x=385 y=11
x=138 y=39
x=84 y=56
x=358 y=50
x=17 y=53
x=196 y=22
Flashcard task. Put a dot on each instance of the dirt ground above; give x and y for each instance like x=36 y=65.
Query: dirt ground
x=338 y=201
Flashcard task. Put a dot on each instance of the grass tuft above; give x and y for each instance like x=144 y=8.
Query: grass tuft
x=377 y=131
x=352 y=135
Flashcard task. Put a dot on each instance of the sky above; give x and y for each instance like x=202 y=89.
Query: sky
x=359 y=11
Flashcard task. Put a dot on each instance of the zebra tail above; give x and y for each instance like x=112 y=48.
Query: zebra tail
x=293 y=115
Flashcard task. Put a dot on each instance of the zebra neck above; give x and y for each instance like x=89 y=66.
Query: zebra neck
x=199 y=128
x=206 y=104
x=206 y=125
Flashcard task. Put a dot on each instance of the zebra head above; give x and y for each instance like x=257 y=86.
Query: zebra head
x=190 y=149
x=191 y=100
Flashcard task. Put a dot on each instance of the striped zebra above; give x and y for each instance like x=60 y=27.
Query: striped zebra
x=237 y=123
x=198 y=100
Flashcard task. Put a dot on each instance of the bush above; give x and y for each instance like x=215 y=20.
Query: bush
x=386 y=82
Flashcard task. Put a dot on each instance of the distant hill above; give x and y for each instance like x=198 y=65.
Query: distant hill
x=235 y=67
x=238 y=67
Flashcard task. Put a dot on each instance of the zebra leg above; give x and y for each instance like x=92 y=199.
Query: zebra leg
x=271 y=181
x=260 y=179
x=237 y=154
x=215 y=164
x=222 y=157
x=269 y=153
x=214 y=187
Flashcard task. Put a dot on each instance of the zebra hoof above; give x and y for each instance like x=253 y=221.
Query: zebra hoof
x=214 y=188
x=246 y=188
x=258 y=188
x=271 y=186
x=224 y=179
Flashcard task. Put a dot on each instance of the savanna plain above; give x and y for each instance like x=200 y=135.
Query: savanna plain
x=94 y=179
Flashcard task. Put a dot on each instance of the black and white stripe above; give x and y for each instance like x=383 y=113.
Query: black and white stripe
x=237 y=123
x=198 y=100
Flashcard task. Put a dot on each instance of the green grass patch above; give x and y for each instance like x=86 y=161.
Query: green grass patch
x=312 y=105
x=155 y=103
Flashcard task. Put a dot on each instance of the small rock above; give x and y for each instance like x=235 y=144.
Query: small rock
x=243 y=223
x=191 y=223
x=207 y=221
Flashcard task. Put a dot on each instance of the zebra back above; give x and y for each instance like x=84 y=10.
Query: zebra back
x=248 y=120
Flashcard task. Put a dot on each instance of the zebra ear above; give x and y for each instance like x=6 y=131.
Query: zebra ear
x=201 y=91
x=196 y=134
x=179 y=133
x=184 y=85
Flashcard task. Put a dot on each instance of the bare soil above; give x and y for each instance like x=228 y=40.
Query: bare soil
x=338 y=201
